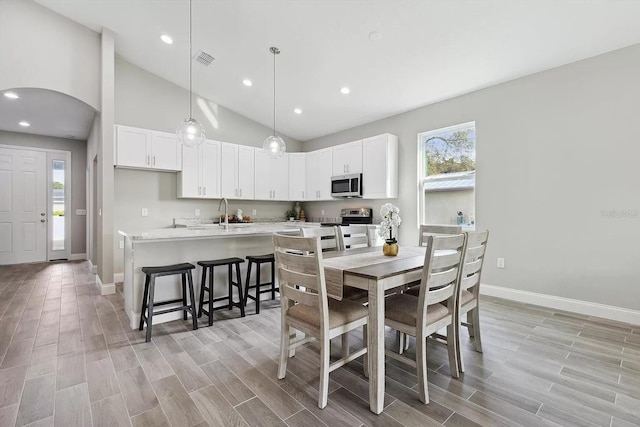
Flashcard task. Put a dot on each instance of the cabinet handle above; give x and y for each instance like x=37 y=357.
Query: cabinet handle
x=204 y=191
x=148 y=161
x=199 y=191
x=303 y=195
x=154 y=160
x=241 y=192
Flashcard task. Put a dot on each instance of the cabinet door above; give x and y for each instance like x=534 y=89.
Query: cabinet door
x=380 y=167
x=324 y=173
x=311 y=174
x=229 y=171
x=165 y=151
x=347 y=158
x=262 y=178
x=189 y=177
x=210 y=169
x=280 y=177
x=297 y=176
x=246 y=172
x=132 y=147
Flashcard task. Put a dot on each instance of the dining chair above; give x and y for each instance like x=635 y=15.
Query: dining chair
x=353 y=237
x=469 y=290
x=328 y=236
x=305 y=306
x=427 y=230
x=433 y=309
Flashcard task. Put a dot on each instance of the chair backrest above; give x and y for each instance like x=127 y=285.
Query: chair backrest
x=353 y=236
x=473 y=261
x=443 y=263
x=328 y=236
x=301 y=273
x=436 y=230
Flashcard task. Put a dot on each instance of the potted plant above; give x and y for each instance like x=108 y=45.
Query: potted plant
x=290 y=215
x=391 y=220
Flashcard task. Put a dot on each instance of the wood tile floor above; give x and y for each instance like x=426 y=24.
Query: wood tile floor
x=68 y=359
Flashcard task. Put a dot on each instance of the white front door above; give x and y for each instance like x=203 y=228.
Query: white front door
x=23 y=204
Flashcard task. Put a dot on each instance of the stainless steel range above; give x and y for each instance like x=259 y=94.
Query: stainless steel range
x=356 y=216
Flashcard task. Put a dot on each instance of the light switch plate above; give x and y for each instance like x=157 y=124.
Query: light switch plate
x=500 y=263
x=121 y=244
x=197 y=214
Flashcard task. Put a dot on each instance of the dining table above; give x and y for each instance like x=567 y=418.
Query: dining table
x=371 y=270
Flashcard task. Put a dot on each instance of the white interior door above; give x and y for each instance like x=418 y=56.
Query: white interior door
x=23 y=204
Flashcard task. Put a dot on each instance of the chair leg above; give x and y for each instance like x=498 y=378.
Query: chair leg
x=324 y=373
x=345 y=345
x=452 y=349
x=144 y=301
x=273 y=281
x=152 y=287
x=285 y=332
x=421 y=363
x=470 y=327
x=475 y=320
x=246 y=284
x=184 y=295
x=192 y=295
x=211 y=296
x=400 y=338
x=229 y=279
x=365 y=358
x=240 y=296
x=202 y=286
x=258 y=288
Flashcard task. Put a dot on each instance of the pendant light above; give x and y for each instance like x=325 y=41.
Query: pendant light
x=274 y=145
x=190 y=132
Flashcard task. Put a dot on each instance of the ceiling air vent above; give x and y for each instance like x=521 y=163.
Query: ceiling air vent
x=203 y=58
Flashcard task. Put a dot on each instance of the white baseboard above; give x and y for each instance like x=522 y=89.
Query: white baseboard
x=118 y=277
x=94 y=268
x=134 y=318
x=105 y=289
x=77 y=257
x=619 y=314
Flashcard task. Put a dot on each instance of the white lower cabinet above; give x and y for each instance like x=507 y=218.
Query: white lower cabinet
x=297 y=176
x=380 y=167
x=271 y=176
x=200 y=176
x=237 y=171
x=318 y=173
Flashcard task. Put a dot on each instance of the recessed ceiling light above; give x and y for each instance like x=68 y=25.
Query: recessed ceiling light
x=345 y=90
x=247 y=82
x=374 y=36
x=24 y=124
x=297 y=111
x=11 y=95
x=167 y=39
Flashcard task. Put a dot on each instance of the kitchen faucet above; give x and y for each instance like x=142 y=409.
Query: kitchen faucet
x=226 y=213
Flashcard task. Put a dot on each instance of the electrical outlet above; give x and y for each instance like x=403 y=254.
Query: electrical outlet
x=254 y=212
x=145 y=212
x=500 y=263
x=322 y=212
x=121 y=244
x=197 y=213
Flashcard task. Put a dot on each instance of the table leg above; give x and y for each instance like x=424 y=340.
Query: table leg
x=375 y=345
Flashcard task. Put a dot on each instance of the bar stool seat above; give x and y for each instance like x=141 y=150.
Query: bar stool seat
x=148 y=302
x=208 y=268
x=258 y=260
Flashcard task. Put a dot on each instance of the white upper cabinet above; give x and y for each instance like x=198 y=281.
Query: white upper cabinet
x=347 y=158
x=147 y=149
x=318 y=173
x=237 y=171
x=380 y=167
x=271 y=176
x=200 y=176
x=246 y=172
x=297 y=176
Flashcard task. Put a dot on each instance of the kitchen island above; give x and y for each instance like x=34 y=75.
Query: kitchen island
x=176 y=245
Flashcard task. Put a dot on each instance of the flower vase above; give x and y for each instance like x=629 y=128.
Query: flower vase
x=390 y=249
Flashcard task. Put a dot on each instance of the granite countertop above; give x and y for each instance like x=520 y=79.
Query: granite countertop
x=209 y=231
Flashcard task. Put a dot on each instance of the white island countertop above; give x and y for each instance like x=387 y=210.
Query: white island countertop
x=212 y=231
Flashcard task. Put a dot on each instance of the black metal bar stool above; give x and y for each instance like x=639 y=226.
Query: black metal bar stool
x=207 y=267
x=149 y=288
x=258 y=260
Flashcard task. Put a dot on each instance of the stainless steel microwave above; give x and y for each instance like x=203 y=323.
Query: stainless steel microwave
x=346 y=185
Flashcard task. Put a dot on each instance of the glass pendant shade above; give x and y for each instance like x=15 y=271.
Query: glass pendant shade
x=191 y=133
x=275 y=146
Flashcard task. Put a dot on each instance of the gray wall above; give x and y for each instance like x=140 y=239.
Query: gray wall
x=78 y=151
x=145 y=100
x=556 y=180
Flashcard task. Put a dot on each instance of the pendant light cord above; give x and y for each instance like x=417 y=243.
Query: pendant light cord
x=274 y=94
x=190 y=64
